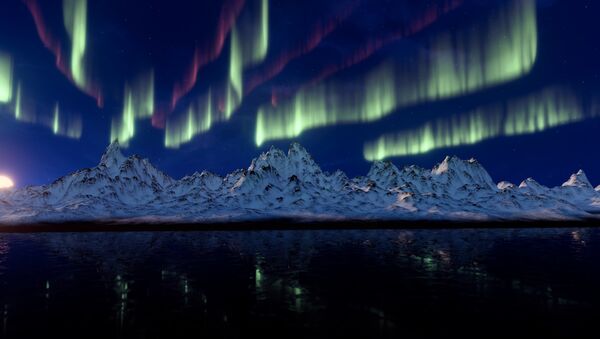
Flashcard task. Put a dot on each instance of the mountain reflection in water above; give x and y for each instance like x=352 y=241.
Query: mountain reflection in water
x=294 y=283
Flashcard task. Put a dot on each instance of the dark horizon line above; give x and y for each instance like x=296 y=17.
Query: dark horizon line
x=291 y=224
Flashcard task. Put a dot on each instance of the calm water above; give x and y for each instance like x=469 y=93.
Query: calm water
x=309 y=284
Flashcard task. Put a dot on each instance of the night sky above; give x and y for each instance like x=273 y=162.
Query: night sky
x=196 y=85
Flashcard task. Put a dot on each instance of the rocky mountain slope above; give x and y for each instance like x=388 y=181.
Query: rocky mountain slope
x=292 y=185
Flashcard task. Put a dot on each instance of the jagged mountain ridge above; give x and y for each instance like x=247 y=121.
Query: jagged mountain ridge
x=279 y=184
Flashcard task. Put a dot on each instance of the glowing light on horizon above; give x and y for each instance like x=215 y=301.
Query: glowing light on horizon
x=6 y=182
x=486 y=54
x=534 y=113
x=138 y=103
x=6 y=78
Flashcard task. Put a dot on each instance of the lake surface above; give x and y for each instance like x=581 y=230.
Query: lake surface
x=301 y=284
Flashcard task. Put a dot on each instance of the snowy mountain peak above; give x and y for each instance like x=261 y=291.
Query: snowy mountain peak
x=528 y=182
x=458 y=173
x=296 y=148
x=198 y=181
x=292 y=185
x=385 y=174
x=505 y=185
x=382 y=168
x=455 y=163
x=532 y=186
x=578 y=179
x=112 y=157
x=446 y=165
x=300 y=155
x=297 y=162
x=414 y=170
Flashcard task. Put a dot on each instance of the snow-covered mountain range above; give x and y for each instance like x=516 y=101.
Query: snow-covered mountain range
x=292 y=185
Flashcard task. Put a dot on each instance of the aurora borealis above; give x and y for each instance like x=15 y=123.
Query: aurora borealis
x=536 y=112
x=470 y=60
x=5 y=78
x=138 y=102
x=211 y=84
x=75 y=19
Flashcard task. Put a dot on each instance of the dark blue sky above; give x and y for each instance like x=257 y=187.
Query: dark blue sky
x=125 y=38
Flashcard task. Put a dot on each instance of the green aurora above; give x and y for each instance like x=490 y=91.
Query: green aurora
x=502 y=49
x=537 y=112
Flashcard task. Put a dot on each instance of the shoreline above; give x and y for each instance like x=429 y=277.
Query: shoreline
x=289 y=224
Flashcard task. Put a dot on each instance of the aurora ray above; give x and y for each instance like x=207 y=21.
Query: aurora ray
x=138 y=103
x=534 y=113
x=61 y=124
x=249 y=46
x=234 y=87
x=24 y=110
x=18 y=104
x=75 y=21
x=56 y=119
x=202 y=56
x=70 y=126
x=319 y=31
x=198 y=119
x=6 y=78
x=372 y=45
x=65 y=125
x=263 y=38
x=471 y=59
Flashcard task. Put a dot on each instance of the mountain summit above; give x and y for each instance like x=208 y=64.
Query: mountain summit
x=578 y=179
x=112 y=156
x=292 y=185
